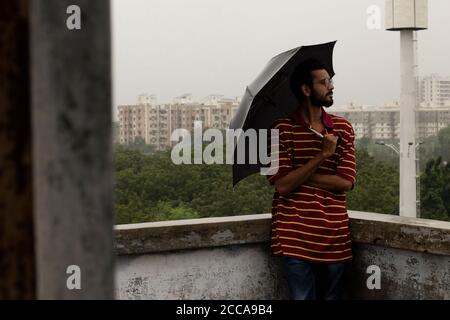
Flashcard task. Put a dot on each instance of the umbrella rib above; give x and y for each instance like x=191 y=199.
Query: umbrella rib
x=249 y=92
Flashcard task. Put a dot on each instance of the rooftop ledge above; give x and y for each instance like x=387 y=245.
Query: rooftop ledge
x=420 y=235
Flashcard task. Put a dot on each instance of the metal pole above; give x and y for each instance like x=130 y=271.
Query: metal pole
x=407 y=126
x=417 y=108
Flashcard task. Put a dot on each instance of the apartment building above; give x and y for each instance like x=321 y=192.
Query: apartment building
x=155 y=123
x=380 y=123
x=434 y=91
x=132 y=120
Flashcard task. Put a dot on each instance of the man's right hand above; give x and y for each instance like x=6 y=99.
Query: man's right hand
x=329 y=145
x=300 y=175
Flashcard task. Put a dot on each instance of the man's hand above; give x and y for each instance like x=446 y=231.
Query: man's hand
x=329 y=145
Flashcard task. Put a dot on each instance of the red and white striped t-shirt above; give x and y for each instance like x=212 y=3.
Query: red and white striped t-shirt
x=311 y=223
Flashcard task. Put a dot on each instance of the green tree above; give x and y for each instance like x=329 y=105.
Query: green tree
x=152 y=188
x=444 y=144
x=140 y=145
x=149 y=187
x=435 y=191
x=377 y=186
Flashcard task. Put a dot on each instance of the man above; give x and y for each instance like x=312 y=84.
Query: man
x=316 y=168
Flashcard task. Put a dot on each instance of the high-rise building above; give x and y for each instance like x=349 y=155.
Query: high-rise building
x=155 y=122
x=147 y=99
x=383 y=123
x=434 y=91
x=184 y=99
x=132 y=122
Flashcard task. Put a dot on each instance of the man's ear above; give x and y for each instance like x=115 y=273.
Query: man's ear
x=306 y=90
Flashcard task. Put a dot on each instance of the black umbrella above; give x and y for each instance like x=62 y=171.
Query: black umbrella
x=269 y=97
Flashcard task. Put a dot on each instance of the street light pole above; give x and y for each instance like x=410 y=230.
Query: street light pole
x=397 y=151
x=407 y=126
x=407 y=16
x=393 y=147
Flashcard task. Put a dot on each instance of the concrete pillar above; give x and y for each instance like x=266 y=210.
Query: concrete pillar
x=407 y=125
x=71 y=92
x=17 y=265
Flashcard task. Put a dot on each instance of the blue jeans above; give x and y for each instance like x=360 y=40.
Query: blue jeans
x=311 y=281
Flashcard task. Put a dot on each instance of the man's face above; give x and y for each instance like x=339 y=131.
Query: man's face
x=322 y=89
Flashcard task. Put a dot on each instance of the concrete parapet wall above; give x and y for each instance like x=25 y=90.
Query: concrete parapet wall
x=228 y=258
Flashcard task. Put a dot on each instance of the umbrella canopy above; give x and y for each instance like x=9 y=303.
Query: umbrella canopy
x=269 y=97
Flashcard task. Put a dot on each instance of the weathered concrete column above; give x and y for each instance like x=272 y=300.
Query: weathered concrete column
x=17 y=266
x=71 y=86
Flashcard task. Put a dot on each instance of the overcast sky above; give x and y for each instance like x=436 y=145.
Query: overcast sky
x=171 y=47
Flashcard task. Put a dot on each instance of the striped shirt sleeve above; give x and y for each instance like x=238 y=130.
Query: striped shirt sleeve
x=281 y=159
x=346 y=167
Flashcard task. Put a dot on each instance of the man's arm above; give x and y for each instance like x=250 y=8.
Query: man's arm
x=330 y=182
x=299 y=176
x=345 y=177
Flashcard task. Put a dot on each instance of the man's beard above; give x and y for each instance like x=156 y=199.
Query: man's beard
x=319 y=102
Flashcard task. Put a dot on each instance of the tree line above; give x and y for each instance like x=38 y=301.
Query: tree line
x=149 y=187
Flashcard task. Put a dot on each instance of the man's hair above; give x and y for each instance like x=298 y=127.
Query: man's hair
x=302 y=75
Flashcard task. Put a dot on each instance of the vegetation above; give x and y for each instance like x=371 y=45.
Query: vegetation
x=377 y=185
x=152 y=188
x=149 y=187
x=435 y=190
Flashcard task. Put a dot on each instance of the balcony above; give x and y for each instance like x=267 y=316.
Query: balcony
x=228 y=258
x=71 y=164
